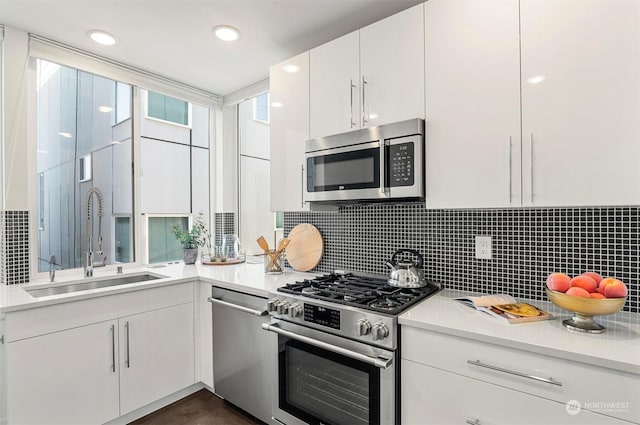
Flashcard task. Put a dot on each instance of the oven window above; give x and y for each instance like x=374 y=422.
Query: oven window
x=358 y=169
x=321 y=387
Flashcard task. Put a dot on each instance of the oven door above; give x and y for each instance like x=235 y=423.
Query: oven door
x=323 y=379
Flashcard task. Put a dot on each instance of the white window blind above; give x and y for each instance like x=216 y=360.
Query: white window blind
x=50 y=50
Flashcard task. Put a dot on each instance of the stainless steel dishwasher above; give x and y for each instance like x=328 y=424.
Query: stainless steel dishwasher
x=241 y=357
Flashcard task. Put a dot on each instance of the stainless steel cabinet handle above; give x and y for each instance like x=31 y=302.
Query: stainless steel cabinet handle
x=531 y=163
x=238 y=307
x=510 y=169
x=128 y=359
x=512 y=372
x=473 y=422
x=364 y=112
x=374 y=361
x=113 y=348
x=351 y=87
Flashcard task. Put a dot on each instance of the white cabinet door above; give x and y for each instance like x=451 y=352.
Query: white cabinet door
x=392 y=68
x=580 y=102
x=289 y=129
x=335 y=87
x=472 y=104
x=67 y=377
x=435 y=396
x=156 y=355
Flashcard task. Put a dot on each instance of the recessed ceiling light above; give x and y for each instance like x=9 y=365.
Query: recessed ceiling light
x=277 y=104
x=291 y=68
x=105 y=108
x=102 y=37
x=226 y=33
x=65 y=134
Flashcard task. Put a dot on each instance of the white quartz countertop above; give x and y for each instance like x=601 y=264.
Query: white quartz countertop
x=245 y=277
x=618 y=347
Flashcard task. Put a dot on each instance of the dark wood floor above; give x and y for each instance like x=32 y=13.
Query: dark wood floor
x=199 y=408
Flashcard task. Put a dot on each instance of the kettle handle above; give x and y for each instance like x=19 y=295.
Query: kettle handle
x=410 y=251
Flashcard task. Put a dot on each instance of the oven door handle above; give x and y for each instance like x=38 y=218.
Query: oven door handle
x=380 y=362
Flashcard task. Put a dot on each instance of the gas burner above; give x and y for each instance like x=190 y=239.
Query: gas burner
x=363 y=291
x=385 y=304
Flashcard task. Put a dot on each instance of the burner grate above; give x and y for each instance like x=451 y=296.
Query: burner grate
x=360 y=291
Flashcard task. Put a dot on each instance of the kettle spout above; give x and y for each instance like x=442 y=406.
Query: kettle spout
x=389 y=264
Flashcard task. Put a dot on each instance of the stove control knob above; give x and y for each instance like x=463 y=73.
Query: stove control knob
x=295 y=310
x=363 y=327
x=283 y=307
x=272 y=305
x=380 y=331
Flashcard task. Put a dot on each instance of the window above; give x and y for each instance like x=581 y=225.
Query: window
x=81 y=149
x=163 y=245
x=255 y=216
x=261 y=108
x=167 y=108
x=123 y=240
x=123 y=102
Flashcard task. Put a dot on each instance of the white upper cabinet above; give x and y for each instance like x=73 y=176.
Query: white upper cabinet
x=392 y=68
x=580 y=102
x=289 y=129
x=335 y=86
x=472 y=104
x=369 y=77
x=532 y=103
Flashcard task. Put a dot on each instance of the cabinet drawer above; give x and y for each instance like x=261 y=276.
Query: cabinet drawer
x=599 y=389
x=433 y=396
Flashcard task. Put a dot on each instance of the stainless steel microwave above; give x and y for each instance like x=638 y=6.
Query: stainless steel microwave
x=372 y=164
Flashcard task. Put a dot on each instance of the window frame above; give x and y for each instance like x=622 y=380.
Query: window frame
x=145 y=247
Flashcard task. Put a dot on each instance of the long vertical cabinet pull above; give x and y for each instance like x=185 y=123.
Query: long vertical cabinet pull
x=364 y=100
x=127 y=359
x=351 y=87
x=531 y=164
x=510 y=170
x=113 y=348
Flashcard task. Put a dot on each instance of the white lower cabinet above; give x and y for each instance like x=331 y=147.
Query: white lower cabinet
x=434 y=396
x=447 y=379
x=138 y=348
x=66 y=377
x=156 y=355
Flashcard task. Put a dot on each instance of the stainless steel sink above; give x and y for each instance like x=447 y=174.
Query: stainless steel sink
x=77 y=286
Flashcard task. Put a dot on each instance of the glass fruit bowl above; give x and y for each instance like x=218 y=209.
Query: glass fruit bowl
x=584 y=309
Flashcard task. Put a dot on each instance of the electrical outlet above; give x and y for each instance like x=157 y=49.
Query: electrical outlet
x=483 y=247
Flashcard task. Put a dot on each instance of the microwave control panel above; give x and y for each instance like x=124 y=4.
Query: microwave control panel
x=401 y=164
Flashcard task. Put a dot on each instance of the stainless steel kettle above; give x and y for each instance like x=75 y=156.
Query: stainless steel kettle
x=406 y=273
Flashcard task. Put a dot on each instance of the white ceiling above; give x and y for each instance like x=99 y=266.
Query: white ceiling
x=174 y=38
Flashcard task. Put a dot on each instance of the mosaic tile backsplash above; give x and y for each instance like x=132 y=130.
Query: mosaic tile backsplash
x=528 y=244
x=14 y=247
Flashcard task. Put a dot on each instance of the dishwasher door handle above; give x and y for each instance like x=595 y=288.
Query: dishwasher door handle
x=379 y=362
x=238 y=307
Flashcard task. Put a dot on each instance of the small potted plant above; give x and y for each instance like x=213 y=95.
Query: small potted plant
x=191 y=239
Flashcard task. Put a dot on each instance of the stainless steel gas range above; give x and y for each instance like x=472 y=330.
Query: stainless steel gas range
x=335 y=349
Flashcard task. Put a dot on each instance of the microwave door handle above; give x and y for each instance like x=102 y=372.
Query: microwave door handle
x=384 y=189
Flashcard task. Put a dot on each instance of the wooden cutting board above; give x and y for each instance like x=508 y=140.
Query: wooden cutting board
x=305 y=249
